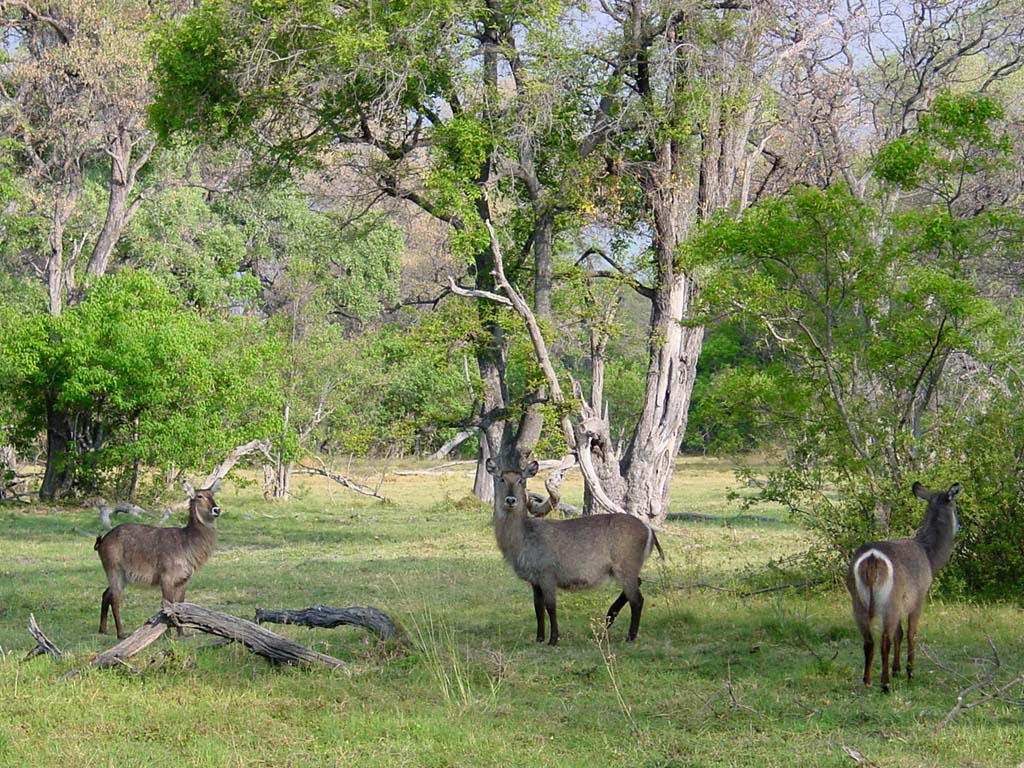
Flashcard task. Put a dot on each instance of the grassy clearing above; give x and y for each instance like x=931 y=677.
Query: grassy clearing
x=715 y=680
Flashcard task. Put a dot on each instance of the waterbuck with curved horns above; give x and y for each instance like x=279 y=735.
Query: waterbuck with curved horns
x=890 y=579
x=568 y=554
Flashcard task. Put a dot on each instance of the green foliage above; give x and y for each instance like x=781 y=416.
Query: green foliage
x=198 y=250
x=863 y=334
x=986 y=458
x=404 y=386
x=195 y=57
x=138 y=378
x=724 y=418
x=957 y=137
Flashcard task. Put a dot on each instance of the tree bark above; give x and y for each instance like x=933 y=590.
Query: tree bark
x=483 y=483
x=121 y=182
x=58 y=476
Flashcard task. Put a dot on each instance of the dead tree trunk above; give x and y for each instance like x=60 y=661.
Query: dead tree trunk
x=221 y=470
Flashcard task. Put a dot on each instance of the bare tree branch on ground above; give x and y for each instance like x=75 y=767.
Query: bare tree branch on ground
x=43 y=643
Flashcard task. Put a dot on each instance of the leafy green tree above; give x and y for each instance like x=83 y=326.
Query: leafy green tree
x=478 y=111
x=320 y=276
x=882 y=350
x=128 y=377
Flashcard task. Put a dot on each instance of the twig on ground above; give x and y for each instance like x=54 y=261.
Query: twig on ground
x=986 y=688
x=735 y=703
x=752 y=592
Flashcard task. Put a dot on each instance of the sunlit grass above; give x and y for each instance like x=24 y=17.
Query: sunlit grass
x=715 y=678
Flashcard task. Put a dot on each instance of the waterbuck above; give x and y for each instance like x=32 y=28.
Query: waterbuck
x=148 y=555
x=890 y=579
x=569 y=554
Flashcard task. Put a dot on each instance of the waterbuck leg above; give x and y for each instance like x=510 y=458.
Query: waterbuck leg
x=636 y=605
x=549 y=603
x=869 y=652
x=174 y=592
x=912 y=619
x=613 y=611
x=115 y=606
x=888 y=633
x=104 y=608
x=897 y=643
x=538 y=608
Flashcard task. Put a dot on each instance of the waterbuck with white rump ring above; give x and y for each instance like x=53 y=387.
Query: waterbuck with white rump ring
x=890 y=580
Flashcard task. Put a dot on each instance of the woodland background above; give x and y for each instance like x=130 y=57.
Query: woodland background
x=623 y=229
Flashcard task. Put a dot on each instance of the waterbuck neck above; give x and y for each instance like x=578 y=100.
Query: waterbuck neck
x=510 y=526
x=938 y=530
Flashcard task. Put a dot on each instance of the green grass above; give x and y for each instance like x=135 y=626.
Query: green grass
x=716 y=679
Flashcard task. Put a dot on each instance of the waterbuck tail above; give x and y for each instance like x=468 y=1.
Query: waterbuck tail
x=653 y=542
x=873 y=576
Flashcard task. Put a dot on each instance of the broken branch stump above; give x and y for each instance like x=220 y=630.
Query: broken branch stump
x=43 y=643
x=326 y=617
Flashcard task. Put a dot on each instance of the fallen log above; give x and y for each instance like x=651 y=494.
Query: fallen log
x=43 y=643
x=326 y=617
x=191 y=616
x=138 y=640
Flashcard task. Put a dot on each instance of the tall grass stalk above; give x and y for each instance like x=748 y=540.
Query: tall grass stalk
x=602 y=640
x=437 y=643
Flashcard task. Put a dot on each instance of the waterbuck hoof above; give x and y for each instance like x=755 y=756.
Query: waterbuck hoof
x=885 y=689
x=553 y=641
x=630 y=638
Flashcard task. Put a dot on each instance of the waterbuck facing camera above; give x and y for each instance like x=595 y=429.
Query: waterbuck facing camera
x=890 y=579
x=151 y=556
x=569 y=554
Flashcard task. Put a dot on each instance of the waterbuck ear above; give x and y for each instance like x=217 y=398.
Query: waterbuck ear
x=921 y=492
x=188 y=489
x=492 y=468
x=954 y=490
x=531 y=469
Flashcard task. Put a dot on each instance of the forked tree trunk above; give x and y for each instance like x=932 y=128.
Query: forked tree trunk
x=639 y=481
x=277 y=479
